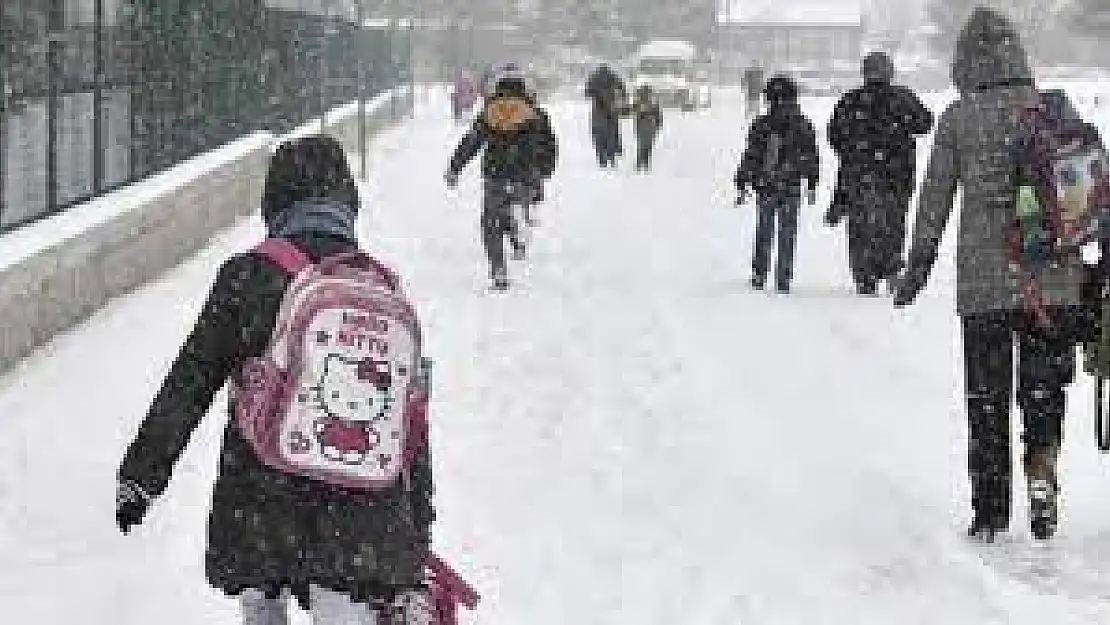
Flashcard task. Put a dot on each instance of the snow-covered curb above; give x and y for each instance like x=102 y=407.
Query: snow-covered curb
x=57 y=271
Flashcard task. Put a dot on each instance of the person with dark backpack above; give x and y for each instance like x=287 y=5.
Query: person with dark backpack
x=1019 y=270
x=517 y=143
x=325 y=486
x=780 y=158
x=873 y=131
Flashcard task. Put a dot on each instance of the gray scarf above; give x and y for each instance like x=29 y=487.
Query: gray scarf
x=309 y=217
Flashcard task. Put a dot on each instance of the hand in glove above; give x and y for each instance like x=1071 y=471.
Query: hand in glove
x=907 y=286
x=741 y=197
x=833 y=217
x=811 y=196
x=452 y=179
x=132 y=503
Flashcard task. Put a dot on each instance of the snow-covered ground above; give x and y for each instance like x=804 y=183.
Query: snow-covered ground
x=629 y=437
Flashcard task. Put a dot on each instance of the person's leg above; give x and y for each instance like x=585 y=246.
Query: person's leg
x=788 y=208
x=988 y=344
x=764 y=239
x=1046 y=367
x=494 y=206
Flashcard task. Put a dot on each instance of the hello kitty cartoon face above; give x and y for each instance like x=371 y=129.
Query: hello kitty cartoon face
x=353 y=395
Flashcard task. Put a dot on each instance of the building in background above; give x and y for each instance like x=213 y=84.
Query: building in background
x=814 y=39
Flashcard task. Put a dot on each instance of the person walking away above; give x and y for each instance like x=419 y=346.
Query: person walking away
x=752 y=83
x=509 y=132
x=321 y=520
x=607 y=93
x=648 y=118
x=463 y=95
x=975 y=149
x=780 y=158
x=873 y=131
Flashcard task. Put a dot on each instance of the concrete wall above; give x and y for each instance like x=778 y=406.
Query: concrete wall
x=57 y=272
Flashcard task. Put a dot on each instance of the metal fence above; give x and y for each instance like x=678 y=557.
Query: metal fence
x=95 y=94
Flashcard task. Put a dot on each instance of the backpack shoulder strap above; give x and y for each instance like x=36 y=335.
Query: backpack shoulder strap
x=285 y=254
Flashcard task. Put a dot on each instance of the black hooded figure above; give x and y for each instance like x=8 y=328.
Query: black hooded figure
x=271 y=532
x=873 y=131
x=607 y=92
x=781 y=153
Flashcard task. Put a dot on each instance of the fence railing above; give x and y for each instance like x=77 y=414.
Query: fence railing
x=95 y=94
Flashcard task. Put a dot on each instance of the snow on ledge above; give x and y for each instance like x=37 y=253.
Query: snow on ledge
x=336 y=115
x=50 y=232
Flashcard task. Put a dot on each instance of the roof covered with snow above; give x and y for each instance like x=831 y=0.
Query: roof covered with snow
x=838 y=12
x=667 y=48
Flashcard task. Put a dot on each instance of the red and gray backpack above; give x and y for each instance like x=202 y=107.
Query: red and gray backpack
x=1062 y=192
x=340 y=395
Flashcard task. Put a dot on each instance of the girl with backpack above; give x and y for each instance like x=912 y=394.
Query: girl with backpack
x=324 y=490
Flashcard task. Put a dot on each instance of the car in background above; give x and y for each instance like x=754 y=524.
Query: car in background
x=669 y=67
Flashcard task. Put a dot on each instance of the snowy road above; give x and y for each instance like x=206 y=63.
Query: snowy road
x=631 y=437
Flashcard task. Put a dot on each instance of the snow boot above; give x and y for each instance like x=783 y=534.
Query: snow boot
x=758 y=282
x=500 y=279
x=1044 y=492
x=987 y=528
x=520 y=251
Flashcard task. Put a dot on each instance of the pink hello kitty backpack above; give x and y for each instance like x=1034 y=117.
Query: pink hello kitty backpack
x=340 y=394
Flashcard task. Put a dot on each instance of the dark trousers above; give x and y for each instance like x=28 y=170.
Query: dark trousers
x=607 y=137
x=498 y=220
x=1045 y=367
x=877 y=230
x=777 y=220
x=645 y=145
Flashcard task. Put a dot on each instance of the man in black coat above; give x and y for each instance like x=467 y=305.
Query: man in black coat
x=873 y=131
x=607 y=93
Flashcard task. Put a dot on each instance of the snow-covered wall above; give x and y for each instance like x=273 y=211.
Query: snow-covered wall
x=56 y=272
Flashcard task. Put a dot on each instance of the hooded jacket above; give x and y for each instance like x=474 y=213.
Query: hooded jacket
x=517 y=137
x=783 y=135
x=973 y=151
x=267 y=529
x=873 y=127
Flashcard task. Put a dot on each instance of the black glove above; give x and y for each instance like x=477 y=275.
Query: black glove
x=132 y=503
x=741 y=197
x=452 y=179
x=907 y=287
x=909 y=284
x=833 y=218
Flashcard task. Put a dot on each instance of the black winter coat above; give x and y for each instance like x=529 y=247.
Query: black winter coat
x=267 y=529
x=648 y=119
x=518 y=141
x=786 y=131
x=607 y=92
x=873 y=130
